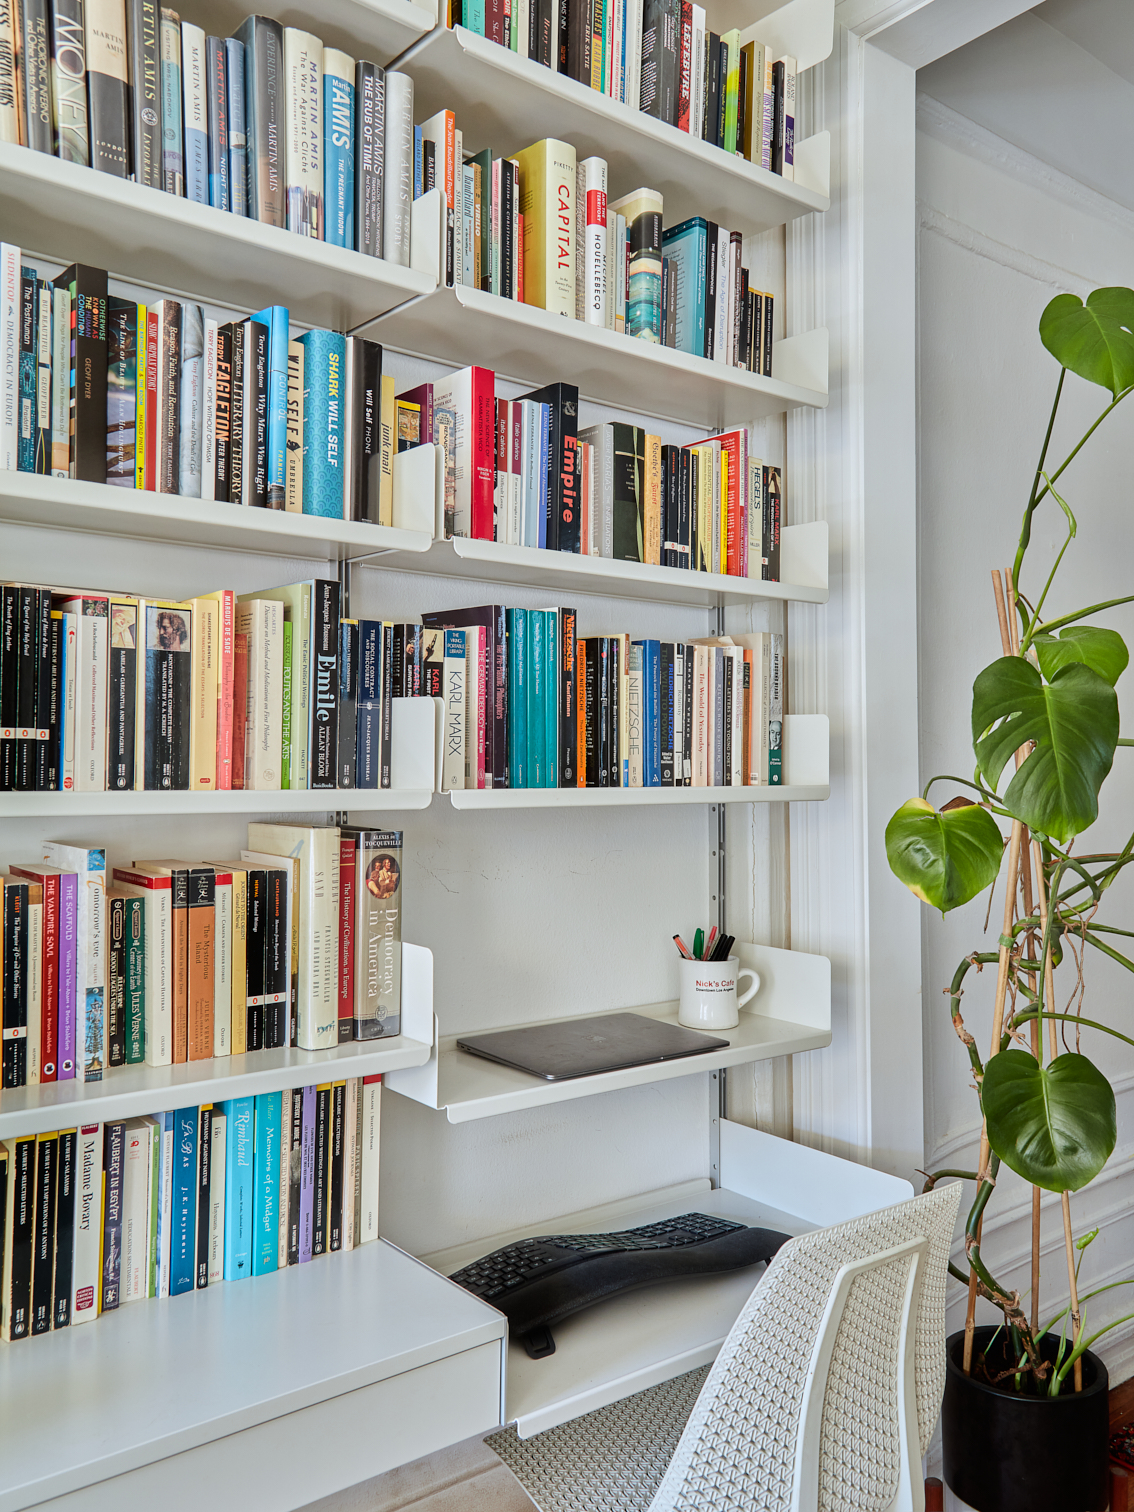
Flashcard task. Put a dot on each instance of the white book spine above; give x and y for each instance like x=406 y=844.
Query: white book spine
x=209 y=430
x=136 y=1212
x=192 y=414
x=531 y=458
x=43 y=362
x=61 y=383
x=195 y=136
x=397 y=181
x=371 y=1137
x=620 y=274
x=9 y=85
x=789 y=117
x=88 y=1224
x=722 y=324
x=515 y=477
x=35 y=992
x=634 y=56
x=697 y=73
x=165 y=1208
x=458 y=205
x=679 y=715
x=158 y=912
x=303 y=128
x=455 y=695
x=594 y=172
x=9 y=354
x=262 y=621
x=222 y=971
x=217 y=1152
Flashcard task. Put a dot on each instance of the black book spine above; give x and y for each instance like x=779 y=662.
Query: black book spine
x=568 y=707
x=325 y=650
x=9 y=672
x=370 y=108
x=64 y=1228
x=578 y=40
x=236 y=417
x=348 y=703
x=671 y=60
x=774 y=502
x=15 y=979
x=116 y=983
x=666 y=713
x=69 y=82
x=256 y=395
x=565 y=7
x=368 y=444
x=43 y=1253
x=687 y=742
x=294 y=1174
x=204 y=1174
x=711 y=235
x=122 y=682
x=43 y=760
x=143 y=25
x=412 y=683
x=322 y=1170
x=777 y=118
x=386 y=712
x=589 y=708
x=507 y=250
x=35 y=75
x=653 y=31
x=668 y=467
x=335 y=1212
x=767 y=324
x=277 y=958
x=744 y=348
x=398 y=665
x=51 y=764
x=614 y=714
x=545 y=13
x=27 y=686
x=222 y=414
x=88 y=370
x=264 y=115
x=113 y=1171
x=179 y=703
x=684 y=508
x=428 y=166
x=254 y=958
x=602 y=646
x=713 y=90
x=742 y=103
x=22 y=1239
x=108 y=90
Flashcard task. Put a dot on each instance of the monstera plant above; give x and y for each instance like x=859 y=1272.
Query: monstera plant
x=1045 y=731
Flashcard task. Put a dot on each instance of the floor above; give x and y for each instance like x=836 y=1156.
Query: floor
x=464 y=1478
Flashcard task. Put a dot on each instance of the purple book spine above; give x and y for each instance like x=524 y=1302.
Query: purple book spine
x=307 y=1176
x=68 y=897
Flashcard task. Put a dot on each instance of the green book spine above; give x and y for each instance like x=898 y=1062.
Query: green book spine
x=732 y=89
x=551 y=696
x=155 y=1203
x=537 y=718
x=135 y=982
x=285 y=774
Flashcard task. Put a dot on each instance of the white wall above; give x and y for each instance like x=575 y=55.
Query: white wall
x=1000 y=233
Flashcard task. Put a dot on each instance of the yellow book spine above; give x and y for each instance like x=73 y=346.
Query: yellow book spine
x=547 y=203
x=140 y=402
x=719 y=566
x=653 y=500
x=387 y=416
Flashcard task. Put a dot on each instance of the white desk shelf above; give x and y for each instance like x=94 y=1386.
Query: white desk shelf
x=790 y=1013
x=641 y=1338
x=130 y=1091
x=467 y=326
x=266 y=1394
x=66 y=212
x=505 y=101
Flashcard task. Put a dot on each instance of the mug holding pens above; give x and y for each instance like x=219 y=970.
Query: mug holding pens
x=709 y=974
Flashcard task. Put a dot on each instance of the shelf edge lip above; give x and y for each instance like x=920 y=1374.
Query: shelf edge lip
x=122 y=805
x=469 y=799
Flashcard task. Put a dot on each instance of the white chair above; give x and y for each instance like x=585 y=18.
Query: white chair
x=823 y=1398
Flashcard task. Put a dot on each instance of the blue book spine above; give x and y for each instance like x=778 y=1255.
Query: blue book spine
x=544 y=449
x=239 y=1161
x=266 y=1205
x=368 y=757
x=518 y=698
x=324 y=372
x=183 y=1221
x=651 y=719
x=537 y=716
x=338 y=160
x=685 y=248
x=165 y=1127
x=474 y=17
x=276 y=320
x=26 y=430
x=194 y=83
x=551 y=696
x=172 y=157
x=237 y=130
x=417 y=162
x=217 y=58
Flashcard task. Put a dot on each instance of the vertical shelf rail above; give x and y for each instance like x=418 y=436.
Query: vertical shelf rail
x=718 y=1086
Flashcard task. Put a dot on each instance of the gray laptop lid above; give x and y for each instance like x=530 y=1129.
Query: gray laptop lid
x=582 y=1047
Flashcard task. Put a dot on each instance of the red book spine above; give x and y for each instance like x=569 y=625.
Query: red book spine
x=225 y=691
x=686 y=55
x=730 y=444
x=483 y=450
x=153 y=321
x=239 y=707
x=483 y=704
x=494 y=21
x=347 y=848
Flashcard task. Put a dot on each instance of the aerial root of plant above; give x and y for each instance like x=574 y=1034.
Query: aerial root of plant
x=1009 y=1305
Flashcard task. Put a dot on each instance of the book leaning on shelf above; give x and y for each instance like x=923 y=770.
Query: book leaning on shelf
x=296 y=942
x=103 y=1215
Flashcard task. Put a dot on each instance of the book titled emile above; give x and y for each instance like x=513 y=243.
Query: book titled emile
x=268 y=124
x=99 y=1216
x=539 y=228
x=179 y=403
x=295 y=942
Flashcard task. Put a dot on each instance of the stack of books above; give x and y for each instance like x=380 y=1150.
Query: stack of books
x=180 y=403
x=268 y=124
x=539 y=227
x=294 y=942
x=98 y=1216
x=658 y=56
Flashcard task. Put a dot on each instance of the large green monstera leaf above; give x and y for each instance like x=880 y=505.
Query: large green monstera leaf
x=1073 y=721
x=1053 y=1125
x=1104 y=651
x=1096 y=339
x=944 y=857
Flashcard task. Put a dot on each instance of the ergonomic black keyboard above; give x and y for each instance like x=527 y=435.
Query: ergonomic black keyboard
x=538 y=1282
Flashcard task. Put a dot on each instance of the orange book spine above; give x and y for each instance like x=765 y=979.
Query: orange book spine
x=226 y=629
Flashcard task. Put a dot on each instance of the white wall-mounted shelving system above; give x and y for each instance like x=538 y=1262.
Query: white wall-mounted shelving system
x=222 y=1394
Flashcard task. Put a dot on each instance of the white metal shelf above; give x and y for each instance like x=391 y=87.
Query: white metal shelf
x=130 y=1091
x=504 y=102
x=63 y=806
x=232 y=1394
x=520 y=342
x=790 y=1013
x=638 y=1339
x=378 y=30
x=63 y=211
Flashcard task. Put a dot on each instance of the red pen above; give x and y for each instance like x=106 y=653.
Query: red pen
x=680 y=943
x=708 y=956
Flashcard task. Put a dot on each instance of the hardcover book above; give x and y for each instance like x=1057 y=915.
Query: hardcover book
x=378 y=934
x=303 y=118
x=194 y=89
x=338 y=147
x=172 y=143
x=108 y=85
x=69 y=82
x=262 y=39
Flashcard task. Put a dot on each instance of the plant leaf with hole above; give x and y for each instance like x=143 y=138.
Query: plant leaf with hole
x=1073 y=721
x=1096 y=339
x=1053 y=1125
x=1104 y=651
x=944 y=857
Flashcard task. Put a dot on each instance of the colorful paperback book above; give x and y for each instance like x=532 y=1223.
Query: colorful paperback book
x=183 y=1219
x=323 y=423
x=239 y=1168
x=276 y=319
x=266 y=1178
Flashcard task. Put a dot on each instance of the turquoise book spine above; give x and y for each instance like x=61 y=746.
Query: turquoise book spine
x=537 y=717
x=239 y=1162
x=475 y=15
x=551 y=696
x=517 y=698
x=266 y=1204
x=324 y=390
x=183 y=1226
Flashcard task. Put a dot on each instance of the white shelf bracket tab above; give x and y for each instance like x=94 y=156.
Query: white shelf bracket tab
x=802 y=360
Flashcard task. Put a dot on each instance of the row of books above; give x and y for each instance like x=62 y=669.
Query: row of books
x=295 y=942
x=528 y=703
x=179 y=403
x=539 y=227
x=658 y=56
x=268 y=124
x=105 y=1214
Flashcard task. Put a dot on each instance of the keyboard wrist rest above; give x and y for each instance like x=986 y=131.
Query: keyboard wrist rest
x=547 y=1300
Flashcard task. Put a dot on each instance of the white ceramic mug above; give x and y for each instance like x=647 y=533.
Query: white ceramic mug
x=708 y=993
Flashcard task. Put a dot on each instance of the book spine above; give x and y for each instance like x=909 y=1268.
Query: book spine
x=43 y=1239
x=347 y=910
x=309 y=1116
x=397 y=177
x=324 y=363
x=264 y=116
x=338 y=1143
x=14 y=983
x=293 y=499
x=369 y=155
x=303 y=119
x=240 y=1135
x=371 y=1100
x=377 y=970
x=235 y=67
x=204 y=1192
x=15 y=1303
x=324 y=711
x=66 y=1175
x=276 y=951
x=265 y=1240
x=321 y=1184
x=135 y=981
x=338 y=148
x=116 y=982
x=216 y=60
x=183 y=1217
x=292 y=1133
x=218 y=1163
x=194 y=84
x=113 y=1174
x=69 y=82
x=172 y=148
x=9 y=76
x=107 y=86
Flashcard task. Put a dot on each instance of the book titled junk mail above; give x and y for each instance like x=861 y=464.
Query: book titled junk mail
x=378 y=943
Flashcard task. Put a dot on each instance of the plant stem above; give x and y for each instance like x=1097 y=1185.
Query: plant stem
x=1026 y=524
x=1069 y=619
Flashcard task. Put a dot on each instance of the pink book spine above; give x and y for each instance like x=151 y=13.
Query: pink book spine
x=483 y=418
x=482 y=706
x=502 y=484
x=224 y=692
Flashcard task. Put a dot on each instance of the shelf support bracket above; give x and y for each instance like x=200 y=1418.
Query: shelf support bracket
x=718 y=1086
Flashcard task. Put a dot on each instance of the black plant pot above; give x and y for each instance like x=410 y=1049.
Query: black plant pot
x=1008 y=1453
